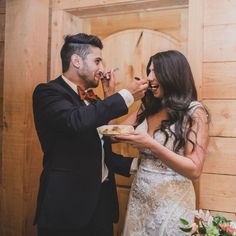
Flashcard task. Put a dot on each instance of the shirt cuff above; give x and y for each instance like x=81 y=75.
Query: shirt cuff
x=127 y=96
x=134 y=165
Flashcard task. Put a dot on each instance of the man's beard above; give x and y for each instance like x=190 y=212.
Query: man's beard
x=89 y=81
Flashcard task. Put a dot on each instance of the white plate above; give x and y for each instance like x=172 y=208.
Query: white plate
x=109 y=130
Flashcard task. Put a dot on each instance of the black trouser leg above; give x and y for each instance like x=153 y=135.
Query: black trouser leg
x=101 y=223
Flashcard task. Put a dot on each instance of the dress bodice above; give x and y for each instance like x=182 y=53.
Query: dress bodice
x=151 y=162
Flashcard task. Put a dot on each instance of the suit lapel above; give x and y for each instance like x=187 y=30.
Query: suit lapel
x=66 y=89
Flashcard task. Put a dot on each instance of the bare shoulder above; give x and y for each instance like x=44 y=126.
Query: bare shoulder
x=200 y=114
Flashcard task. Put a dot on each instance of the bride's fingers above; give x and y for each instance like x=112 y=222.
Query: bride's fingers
x=122 y=136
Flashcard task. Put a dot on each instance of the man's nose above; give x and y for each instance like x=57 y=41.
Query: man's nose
x=101 y=67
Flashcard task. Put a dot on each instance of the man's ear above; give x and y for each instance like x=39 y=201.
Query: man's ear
x=75 y=60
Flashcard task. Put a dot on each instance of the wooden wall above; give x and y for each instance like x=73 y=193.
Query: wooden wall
x=2 y=38
x=25 y=65
x=218 y=181
x=209 y=42
x=104 y=21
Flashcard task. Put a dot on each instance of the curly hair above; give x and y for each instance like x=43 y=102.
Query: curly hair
x=174 y=75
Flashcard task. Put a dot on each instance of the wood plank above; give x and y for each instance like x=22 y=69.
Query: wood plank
x=195 y=41
x=219 y=12
x=120 y=9
x=2 y=6
x=184 y=31
x=1 y=67
x=2 y=27
x=63 y=23
x=171 y=22
x=122 y=181
x=56 y=43
x=219 y=43
x=223 y=116
x=219 y=80
x=123 y=195
x=120 y=5
x=21 y=156
x=218 y=192
x=221 y=156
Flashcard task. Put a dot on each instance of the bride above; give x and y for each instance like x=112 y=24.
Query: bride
x=172 y=136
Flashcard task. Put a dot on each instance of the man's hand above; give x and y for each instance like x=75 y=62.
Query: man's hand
x=138 y=88
x=108 y=83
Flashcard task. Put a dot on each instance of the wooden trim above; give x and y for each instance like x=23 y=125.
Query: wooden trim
x=122 y=5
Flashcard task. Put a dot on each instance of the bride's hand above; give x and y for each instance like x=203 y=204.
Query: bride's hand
x=137 y=139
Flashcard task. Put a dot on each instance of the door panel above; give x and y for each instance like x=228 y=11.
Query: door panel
x=130 y=50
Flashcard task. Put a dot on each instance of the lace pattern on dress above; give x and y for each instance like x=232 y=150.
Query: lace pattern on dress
x=159 y=196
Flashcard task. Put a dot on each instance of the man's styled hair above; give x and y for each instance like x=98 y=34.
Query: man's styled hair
x=79 y=44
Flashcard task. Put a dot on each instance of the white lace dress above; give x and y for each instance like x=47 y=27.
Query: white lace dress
x=159 y=196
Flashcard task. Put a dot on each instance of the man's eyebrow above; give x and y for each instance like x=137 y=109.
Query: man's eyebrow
x=98 y=58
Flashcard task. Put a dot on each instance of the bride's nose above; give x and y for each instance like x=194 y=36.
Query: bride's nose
x=150 y=78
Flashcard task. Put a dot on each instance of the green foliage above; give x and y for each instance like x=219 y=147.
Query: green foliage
x=208 y=225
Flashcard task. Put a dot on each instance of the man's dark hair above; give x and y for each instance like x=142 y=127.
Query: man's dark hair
x=78 y=44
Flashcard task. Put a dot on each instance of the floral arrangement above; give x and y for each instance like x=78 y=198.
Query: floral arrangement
x=208 y=225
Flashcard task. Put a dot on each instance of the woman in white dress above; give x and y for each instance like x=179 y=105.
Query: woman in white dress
x=172 y=136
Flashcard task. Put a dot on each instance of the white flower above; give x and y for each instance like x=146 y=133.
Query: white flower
x=205 y=217
x=194 y=227
x=232 y=224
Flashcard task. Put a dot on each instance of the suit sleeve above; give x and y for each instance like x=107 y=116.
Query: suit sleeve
x=121 y=165
x=59 y=112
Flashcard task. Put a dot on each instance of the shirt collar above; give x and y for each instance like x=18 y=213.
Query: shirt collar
x=72 y=85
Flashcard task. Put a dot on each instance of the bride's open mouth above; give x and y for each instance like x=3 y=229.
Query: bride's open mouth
x=153 y=87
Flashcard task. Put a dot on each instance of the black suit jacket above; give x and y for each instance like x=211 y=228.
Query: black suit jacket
x=71 y=178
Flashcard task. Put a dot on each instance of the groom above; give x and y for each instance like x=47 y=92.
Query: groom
x=77 y=194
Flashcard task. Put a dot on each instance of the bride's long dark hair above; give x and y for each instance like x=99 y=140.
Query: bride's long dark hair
x=174 y=74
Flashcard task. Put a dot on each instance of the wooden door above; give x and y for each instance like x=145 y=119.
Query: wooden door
x=130 y=50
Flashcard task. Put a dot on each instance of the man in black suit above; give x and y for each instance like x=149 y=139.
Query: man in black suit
x=77 y=194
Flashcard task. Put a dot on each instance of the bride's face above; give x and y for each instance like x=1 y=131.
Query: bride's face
x=157 y=89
